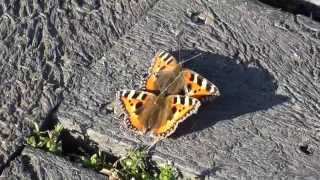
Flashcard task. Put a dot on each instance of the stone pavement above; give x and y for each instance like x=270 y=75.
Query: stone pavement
x=65 y=61
x=37 y=164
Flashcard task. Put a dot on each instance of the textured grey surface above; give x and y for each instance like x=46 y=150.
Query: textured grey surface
x=45 y=49
x=36 y=164
x=264 y=61
x=77 y=53
x=315 y=2
x=28 y=87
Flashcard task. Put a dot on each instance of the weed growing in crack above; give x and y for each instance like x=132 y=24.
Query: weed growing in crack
x=136 y=164
x=167 y=172
x=46 y=140
x=97 y=161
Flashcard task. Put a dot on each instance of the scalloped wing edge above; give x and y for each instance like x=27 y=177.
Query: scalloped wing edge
x=126 y=121
x=191 y=112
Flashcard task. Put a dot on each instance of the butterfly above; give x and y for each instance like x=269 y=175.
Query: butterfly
x=158 y=114
x=166 y=75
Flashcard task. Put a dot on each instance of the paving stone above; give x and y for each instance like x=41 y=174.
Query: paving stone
x=266 y=123
x=37 y=164
x=264 y=61
x=314 y=2
x=308 y=8
x=45 y=48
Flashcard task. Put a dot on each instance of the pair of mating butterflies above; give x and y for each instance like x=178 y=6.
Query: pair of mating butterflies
x=159 y=108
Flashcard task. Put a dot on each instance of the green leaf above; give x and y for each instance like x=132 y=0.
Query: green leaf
x=58 y=128
x=36 y=127
x=48 y=144
x=40 y=144
x=166 y=172
x=50 y=134
x=93 y=159
x=32 y=141
x=43 y=139
x=53 y=148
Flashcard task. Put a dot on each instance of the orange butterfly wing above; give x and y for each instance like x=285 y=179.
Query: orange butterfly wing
x=177 y=109
x=198 y=86
x=133 y=103
x=162 y=62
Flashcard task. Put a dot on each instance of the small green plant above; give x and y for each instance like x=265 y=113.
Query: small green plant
x=96 y=161
x=47 y=140
x=137 y=165
x=167 y=172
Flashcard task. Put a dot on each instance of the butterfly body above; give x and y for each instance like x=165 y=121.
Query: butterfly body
x=161 y=115
x=166 y=82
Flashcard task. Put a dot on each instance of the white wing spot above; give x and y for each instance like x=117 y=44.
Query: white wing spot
x=140 y=96
x=186 y=100
x=123 y=92
x=165 y=56
x=161 y=53
x=178 y=100
x=195 y=78
x=131 y=94
x=213 y=89
x=204 y=84
x=169 y=59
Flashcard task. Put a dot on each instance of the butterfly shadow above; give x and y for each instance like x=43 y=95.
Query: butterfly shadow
x=244 y=88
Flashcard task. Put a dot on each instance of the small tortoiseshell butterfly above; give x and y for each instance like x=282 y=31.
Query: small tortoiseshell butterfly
x=158 y=114
x=167 y=76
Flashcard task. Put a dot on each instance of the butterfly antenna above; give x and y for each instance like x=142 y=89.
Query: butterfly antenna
x=176 y=78
x=161 y=93
x=179 y=75
x=153 y=144
x=179 y=35
x=187 y=60
x=179 y=44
